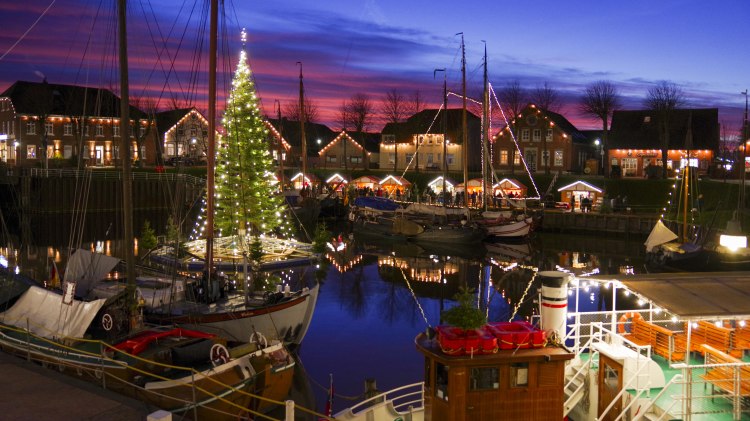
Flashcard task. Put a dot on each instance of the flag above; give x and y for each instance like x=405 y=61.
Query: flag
x=329 y=403
x=54 y=275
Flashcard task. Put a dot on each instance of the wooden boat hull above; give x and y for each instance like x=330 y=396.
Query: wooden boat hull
x=287 y=321
x=226 y=391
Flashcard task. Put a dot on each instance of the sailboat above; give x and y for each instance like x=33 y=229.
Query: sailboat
x=190 y=372
x=210 y=304
x=664 y=247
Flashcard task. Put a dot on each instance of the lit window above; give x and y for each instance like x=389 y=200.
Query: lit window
x=504 y=157
x=30 y=151
x=558 y=158
x=116 y=130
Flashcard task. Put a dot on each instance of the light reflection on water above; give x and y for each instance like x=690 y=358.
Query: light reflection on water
x=375 y=297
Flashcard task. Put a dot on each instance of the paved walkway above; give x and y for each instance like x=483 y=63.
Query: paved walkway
x=31 y=392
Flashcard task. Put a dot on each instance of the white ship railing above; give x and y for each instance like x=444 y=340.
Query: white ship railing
x=402 y=401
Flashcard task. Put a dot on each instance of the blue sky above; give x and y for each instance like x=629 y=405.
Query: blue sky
x=371 y=46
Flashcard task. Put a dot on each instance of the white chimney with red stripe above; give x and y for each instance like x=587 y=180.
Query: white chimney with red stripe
x=554 y=301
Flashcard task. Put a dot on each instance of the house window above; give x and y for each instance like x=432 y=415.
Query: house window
x=388 y=138
x=429 y=157
x=355 y=159
x=391 y=158
x=49 y=128
x=31 y=127
x=504 y=157
x=330 y=158
x=441 y=381
x=67 y=151
x=68 y=129
x=429 y=140
x=99 y=130
x=548 y=138
x=647 y=119
x=180 y=132
x=629 y=167
x=537 y=135
x=142 y=131
x=142 y=155
x=409 y=157
x=116 y=130
x=517 y=159
x=558 y=158
x=484 y=378
x=204 y=133
x=519 y=375
x=450 y=158
x=116 y=151
x=86 y=130
x=525 y=135
x=30 y=151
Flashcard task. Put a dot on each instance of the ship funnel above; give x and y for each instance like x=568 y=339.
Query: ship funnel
x=554 y=301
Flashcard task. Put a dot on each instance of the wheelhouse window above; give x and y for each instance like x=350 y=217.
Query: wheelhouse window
x=484 y=378
x=519 y=375
x=441 y=381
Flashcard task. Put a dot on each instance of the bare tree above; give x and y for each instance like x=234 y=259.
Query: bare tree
x=546 y=97
x=600 y=100
x=415 y=103
x=394 y=110
x=343 y=119
x=361 y=113
x=291 y=109
x=513 y=98
x=149 y=108
x=664 y=99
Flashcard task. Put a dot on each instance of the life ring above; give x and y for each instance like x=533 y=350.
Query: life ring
x=259 y=339
x=219 y=355
x=628 y=317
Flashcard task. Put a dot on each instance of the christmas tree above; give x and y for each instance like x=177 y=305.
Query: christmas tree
x=247 y=192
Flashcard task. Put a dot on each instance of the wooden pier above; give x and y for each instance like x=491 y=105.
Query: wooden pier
x=627 y=224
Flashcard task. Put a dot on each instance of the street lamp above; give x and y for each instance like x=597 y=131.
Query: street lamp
x=599 y=162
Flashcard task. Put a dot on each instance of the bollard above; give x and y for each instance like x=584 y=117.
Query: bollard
x=289 y=404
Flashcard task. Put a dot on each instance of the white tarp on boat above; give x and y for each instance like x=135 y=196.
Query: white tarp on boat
x=424 y=209
x=44 y=313
x=86 y=269
x=659 y=235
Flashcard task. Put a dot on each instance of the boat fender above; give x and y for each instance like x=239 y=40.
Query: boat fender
x=627 y=318
x=219 y=355
x=259 y=339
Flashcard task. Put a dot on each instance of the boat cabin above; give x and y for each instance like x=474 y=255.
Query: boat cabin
x=509 y=384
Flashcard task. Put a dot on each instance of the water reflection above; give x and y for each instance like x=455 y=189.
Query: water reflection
x=376 y=296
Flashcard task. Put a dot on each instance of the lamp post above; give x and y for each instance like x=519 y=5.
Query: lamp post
x=599 y=162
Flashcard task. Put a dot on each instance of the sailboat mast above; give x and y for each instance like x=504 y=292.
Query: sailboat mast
x=445 y=136
x=686 y=200
x=281 y=146
x=464 y=135
x=125 y=144
x=487 y=161
x=303 y=136
x=211 y=158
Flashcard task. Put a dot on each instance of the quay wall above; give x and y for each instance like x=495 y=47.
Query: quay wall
x=594 y=222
